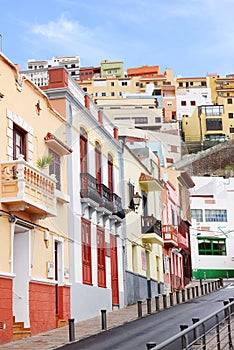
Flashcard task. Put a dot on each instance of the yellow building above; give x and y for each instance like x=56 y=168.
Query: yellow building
x=34 y=242
x=144 y=273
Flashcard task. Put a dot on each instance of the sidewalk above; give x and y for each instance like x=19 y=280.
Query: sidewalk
x=59 y=337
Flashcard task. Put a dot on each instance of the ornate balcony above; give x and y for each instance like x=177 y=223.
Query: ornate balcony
x=26 y=188
x=117 y=206
x=89 y=192
x=151 y=229
x=170 y=236
x=106 y=198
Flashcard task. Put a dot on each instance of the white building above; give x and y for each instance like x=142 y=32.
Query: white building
x=212 y=230
x=38 y=69
x=187 y=99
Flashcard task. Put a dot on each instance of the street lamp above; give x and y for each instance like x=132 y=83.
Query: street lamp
x=136 y=199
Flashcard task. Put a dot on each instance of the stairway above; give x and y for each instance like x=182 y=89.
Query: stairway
x=19 y=331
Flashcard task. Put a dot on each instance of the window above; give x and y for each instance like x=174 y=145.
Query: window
x=86 y=251
x=157 y=119
x=231 y=130
x=216 y=215
x=229 y=101
x=183 y=103
x=110 y=174
x=98 y=167
x=101 y=257
x=103 y=93
x=230 y=115
x=140 y=120
x=214 y=124
x=19 y=142
x=193 y=103
x=83 y=150
x=197 y=215
x=203 y=83
x=112 y=93
x=124 y=83
x=191 y=83
x=180 y=84
x=131 y=193
x=112 y=83
x=211 y=246
x=55 y=168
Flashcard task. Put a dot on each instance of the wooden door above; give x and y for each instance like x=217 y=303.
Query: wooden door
x=114 y=270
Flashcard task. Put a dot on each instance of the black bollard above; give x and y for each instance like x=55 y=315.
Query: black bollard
x=164 y=301
x=183 y=295
x=205 y=288
x=177 y=296
x=196 y=332
x=103 y=315
x=193 y=292
x=184 y=339
x=197 y=291
x=139 y=308
x=71 y=329
x=188 y=293
x=150 y=345
x=171 y=299
x=157 y=307
x=148 y=305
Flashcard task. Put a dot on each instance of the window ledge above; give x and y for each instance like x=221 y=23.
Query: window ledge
x=62 y=197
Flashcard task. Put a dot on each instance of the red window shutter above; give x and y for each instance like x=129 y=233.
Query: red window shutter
x=98 y=167
x=86 y=251
x=101 y=258
x=83 y=151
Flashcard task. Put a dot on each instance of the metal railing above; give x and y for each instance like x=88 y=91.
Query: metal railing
x=215 y=332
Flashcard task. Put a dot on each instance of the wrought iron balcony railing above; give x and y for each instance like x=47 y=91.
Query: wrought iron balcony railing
x=89 y=188
x=150 y=224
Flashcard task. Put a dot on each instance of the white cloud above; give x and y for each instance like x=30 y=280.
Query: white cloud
x=71 y=36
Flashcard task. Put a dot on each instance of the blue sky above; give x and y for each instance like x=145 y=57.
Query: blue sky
x=193 y=37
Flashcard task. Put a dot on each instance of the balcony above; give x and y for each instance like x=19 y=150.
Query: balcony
x=106 y=198
x=117 y=206
x=170 y=236
x=151 y=229
x=28 y=189
x=183 y=242
x=89 y=192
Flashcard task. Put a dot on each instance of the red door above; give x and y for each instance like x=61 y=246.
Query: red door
x=101 y=257
x=114 y=270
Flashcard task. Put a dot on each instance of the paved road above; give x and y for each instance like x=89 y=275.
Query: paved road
x=156 y=327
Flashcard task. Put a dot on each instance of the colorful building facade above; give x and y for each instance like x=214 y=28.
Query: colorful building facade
x=34 y=241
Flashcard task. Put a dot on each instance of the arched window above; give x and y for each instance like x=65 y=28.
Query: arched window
x=83 y=151
x=110 y=174
x=98 y=167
